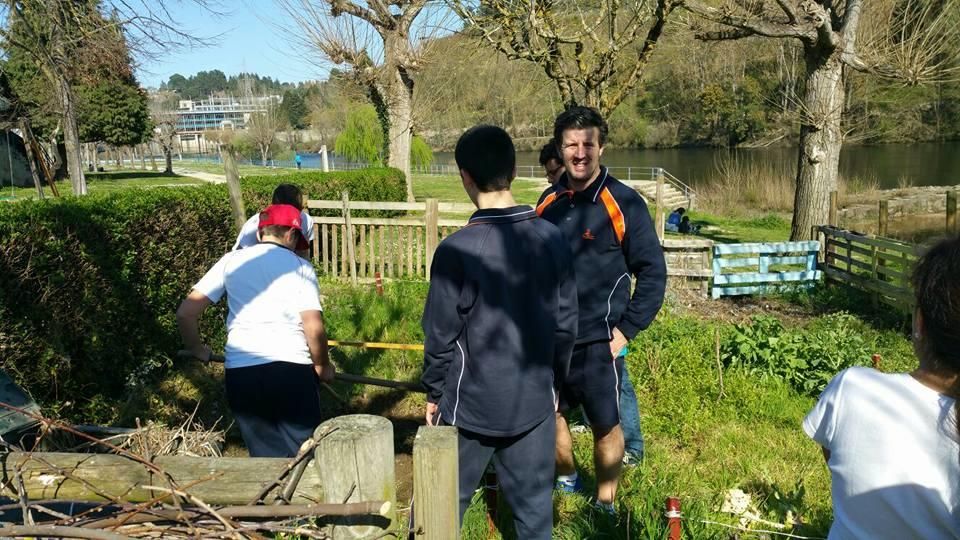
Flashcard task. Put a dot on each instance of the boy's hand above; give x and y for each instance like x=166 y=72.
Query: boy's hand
x=326 y=372
x=432 y=409
x=617 y=344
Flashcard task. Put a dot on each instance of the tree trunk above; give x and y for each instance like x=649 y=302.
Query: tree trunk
x=71 y=136
x=263 y=154
x=821 y=138
x=168 y=154
x=401 y=130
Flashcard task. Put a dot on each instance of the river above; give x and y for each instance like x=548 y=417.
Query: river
x=889 y=165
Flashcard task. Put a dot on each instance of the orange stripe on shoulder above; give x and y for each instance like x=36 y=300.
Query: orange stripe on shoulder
x=546 y=202
x=616 y=216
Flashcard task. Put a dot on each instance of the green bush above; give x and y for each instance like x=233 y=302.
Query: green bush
x=806 y=358
x=90 y=285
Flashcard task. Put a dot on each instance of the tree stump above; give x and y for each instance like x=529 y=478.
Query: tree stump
x=356 y=464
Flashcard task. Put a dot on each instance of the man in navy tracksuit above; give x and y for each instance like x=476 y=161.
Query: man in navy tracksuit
x=500 y=324
x=612 y=237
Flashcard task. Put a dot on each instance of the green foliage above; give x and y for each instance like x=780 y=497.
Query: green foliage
x=807 y=359
x=90 y=285
x=294 y=109
x=420 y=153
x=114 y=111
x=362 y=139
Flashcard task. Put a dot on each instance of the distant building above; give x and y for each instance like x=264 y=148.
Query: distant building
x=215 y=113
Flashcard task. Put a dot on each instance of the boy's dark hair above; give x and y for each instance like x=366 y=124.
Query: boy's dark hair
x=579 y=118
x=288 y=194
x=548 y=152
x=487 y=153
x=936 y=285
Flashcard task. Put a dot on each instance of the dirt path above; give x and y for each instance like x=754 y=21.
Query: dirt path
x=206 y=177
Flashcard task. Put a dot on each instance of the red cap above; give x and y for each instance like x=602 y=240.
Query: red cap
x=284 y=215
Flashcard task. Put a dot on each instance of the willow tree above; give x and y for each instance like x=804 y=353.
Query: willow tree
x=381 y=44
x=913 y=41
x=594 y=50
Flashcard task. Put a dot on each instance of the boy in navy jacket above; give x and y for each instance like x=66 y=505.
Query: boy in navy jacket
x=500 y=323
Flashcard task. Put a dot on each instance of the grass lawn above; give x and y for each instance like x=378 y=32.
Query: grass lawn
x=106 y=182
x=704 y=434
x=217 y=168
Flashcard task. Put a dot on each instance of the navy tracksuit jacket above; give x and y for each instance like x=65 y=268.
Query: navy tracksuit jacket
x=500 y=322
x=612 y=237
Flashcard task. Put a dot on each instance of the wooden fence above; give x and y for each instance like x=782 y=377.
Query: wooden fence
x=393 y=247
x=403 y=247
x=877 y=265
x=740 y=269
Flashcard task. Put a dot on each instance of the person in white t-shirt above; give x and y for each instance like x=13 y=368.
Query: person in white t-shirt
x=282 y=194
x=276 y=351
x=891 y=441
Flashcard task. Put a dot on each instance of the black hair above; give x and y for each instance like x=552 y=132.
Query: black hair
x=487 y=153
x=680 y=210
x=548 y=152
x=579 y=118
x=288 y=194
x=936 y=286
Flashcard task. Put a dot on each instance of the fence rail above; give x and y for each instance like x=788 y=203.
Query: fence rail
x=879 y=266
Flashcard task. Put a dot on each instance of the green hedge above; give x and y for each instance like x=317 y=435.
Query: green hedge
x=89 y=286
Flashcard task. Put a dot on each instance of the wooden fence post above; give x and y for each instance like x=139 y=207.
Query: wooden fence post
x=658 y=216
x=832 y=217
x=356 y=464
x=431 y=218
x=882 y=218
x=951 y=212
x=436 y=513
x=233 y=188
x=350 y=240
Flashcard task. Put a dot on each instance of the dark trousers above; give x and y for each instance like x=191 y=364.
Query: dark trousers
x=525 y=466
x=276 y=406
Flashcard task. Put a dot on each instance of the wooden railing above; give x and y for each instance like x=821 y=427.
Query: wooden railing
x=393 y=247
x=403 y=247
x=879 y=266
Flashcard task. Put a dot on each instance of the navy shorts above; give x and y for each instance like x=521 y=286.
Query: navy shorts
x=594 y=383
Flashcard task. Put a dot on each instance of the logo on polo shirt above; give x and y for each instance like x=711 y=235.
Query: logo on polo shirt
x=587 y=235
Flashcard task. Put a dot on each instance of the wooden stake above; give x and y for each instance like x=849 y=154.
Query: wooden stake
x=882 y=218
x=350 y=238
x=436 y=483
x=233 y=188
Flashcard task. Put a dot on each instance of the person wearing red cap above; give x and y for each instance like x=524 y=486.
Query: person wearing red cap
x=276 y=351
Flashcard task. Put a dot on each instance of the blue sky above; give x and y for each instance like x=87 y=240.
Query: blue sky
x=248 y=43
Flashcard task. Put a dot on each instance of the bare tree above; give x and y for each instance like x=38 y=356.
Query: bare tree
x=163 y=112
x=915 y=41
x=595 y=51
x=55 y=33
x=264 y=126
x=381 y=44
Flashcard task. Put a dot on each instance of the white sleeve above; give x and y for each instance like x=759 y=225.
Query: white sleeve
x=306 y=225
x=213 y=283
x=248 y=233
x=308 y=290
x=820 y=423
